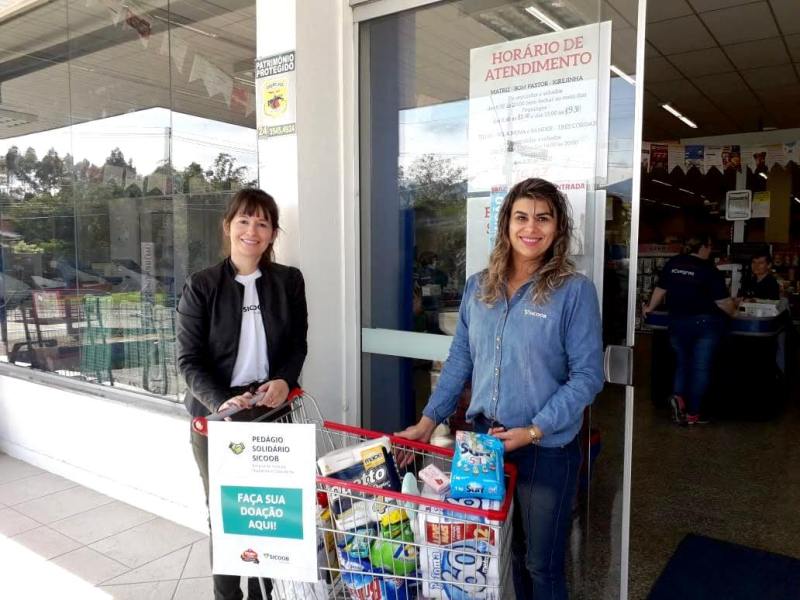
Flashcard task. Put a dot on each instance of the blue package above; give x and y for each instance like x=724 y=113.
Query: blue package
x=477 y=467
x=368 y=586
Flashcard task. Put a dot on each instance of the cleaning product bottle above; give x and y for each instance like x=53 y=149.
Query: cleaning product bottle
x=395 y=552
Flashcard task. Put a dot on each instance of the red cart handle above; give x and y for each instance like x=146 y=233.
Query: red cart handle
x=200 y=424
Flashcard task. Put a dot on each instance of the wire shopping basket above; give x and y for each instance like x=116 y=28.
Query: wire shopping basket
x=376 y=543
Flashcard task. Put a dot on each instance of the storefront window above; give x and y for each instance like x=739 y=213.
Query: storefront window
x=123 y=131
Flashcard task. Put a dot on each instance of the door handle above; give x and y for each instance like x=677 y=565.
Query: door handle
x=618 y=364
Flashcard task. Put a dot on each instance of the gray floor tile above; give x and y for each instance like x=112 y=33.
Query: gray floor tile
x=102 y=522
x=199 y=563
x=89 y=565
x=25 y=575
x=29 y=488
x=146 y=542
x=157 y=590
x=12 y=522
x=11 y=469
x=167 y=567
x=201 y=588
x=62 y=504
x=46 y=543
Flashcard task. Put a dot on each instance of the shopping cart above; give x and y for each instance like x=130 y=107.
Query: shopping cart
x=380 y=544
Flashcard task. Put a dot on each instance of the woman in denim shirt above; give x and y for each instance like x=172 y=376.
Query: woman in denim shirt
x=529 y=337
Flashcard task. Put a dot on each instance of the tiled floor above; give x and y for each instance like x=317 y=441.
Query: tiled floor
x=61 y=540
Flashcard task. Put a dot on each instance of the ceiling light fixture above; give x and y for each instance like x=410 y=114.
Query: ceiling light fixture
x=796 y=199
x=544 y=18
x=625 y=76
x=555 y=26
x=15 y=118
x=764 y=175
x=679 y=115
x=213 y=36
x=661 y=182
x=686 y=191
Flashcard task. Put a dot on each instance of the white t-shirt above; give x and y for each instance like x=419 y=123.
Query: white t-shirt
x=252 y=363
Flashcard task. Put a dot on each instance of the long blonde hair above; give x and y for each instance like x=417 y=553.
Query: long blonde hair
x=556 y=265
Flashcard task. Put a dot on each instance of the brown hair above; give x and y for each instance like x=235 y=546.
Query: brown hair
x=556 y=265
x=693 y=244
x=251 y=201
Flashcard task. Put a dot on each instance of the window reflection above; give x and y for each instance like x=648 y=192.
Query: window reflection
x=123 y=131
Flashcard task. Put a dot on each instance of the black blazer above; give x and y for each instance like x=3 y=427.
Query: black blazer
x=210 y=321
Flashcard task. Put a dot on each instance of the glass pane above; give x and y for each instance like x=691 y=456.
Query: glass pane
x=426 y=199
x=40 y=321
x=123 y=133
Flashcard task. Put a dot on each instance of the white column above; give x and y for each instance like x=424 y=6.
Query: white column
x=312 y=175
x=277 y=156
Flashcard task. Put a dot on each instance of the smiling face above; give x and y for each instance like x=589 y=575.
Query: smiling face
x=250 y=236
x=531 y=230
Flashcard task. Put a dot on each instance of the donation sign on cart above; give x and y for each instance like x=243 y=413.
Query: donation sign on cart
x=262 y=499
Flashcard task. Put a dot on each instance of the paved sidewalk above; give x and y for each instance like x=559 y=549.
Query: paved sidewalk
x=61 y=540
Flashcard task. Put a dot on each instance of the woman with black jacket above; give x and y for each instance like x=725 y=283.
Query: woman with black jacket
x=241 y=331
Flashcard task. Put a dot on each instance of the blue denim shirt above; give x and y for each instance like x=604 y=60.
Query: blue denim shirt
x=530 y=364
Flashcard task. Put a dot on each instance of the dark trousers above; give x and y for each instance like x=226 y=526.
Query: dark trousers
x=696 y=340
x=226 y=587
x=547 y=482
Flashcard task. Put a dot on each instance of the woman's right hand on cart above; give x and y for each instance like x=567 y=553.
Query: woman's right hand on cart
x=420 y=432
x=237 y=403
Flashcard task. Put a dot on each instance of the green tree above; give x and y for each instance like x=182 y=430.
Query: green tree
x=116 y=158
x=193 y=177
x=434 y=182
x=225 y=175
x=436 y=189
x=50 y=171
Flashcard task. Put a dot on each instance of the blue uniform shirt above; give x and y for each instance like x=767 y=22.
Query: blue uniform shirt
x=530 y=364
x=693 y=286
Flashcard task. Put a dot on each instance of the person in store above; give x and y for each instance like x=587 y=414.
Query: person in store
x=699 y=304
x=762 y=283
x=241 y=332
x=529 y=338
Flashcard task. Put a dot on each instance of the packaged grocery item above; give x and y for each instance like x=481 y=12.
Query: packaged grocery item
x=409 y=485
x=364 y=581
x=366 y=586
x=458 y=559
x=326 y=546
x=435 y=479
x=477 y=503
x=368 y=463
x=395 y=552
x=477 y=467
x=459 y=553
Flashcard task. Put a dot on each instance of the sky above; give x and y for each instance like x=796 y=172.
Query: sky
x=143 y=137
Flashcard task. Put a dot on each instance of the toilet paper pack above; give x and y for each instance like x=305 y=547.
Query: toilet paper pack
x=459 y=558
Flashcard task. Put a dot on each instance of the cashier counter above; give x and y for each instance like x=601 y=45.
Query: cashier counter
x=743 y=324
x=746 y=384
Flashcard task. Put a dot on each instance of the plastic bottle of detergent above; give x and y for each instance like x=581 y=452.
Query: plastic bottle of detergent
x=395 y=552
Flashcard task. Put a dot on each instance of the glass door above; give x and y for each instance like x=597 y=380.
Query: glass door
x=458 y=100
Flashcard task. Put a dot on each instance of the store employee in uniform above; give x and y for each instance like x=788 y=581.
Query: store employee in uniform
x=698 y=302
x=762 y=284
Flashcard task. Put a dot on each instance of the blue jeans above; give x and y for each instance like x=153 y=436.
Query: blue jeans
x=546 y=486
x=695 y=340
